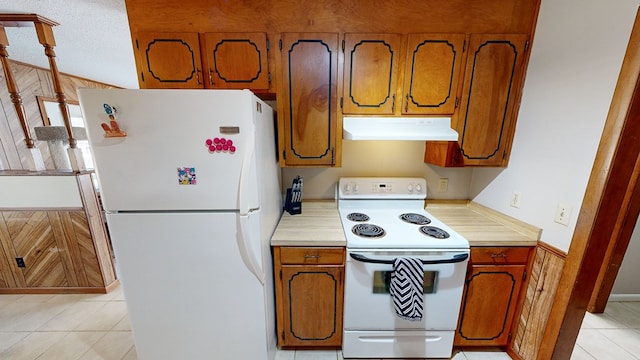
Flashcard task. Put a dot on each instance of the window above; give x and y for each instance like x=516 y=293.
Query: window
x=51 y=115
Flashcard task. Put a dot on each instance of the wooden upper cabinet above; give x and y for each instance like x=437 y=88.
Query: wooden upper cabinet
x=169 y=60
x=371 y=64
x=432 y=73
x=236 y=60
x=491 y=92
x=308 y=124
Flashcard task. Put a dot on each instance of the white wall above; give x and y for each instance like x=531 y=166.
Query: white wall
x=627 y=279
x=381 y=158
x=575 y=61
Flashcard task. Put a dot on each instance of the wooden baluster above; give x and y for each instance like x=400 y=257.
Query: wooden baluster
x=46 y=39
x=36 y=162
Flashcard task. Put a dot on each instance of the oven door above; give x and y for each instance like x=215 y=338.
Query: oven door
x=368 y=305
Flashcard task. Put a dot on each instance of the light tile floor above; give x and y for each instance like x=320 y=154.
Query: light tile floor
x=96 y=327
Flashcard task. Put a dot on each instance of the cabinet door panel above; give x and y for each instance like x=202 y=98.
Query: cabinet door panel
x=312 y=305
x=488 y=305
x=236 y=60
x=169 y=60
x=309 y=88
x=371 y=72
x=493 y=77
x=432 y=73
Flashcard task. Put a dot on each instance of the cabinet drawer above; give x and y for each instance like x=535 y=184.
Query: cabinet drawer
x=500 y=255
x=311 y=255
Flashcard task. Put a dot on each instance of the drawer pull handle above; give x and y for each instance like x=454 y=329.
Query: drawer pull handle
x=307 y=256
x=501 y=255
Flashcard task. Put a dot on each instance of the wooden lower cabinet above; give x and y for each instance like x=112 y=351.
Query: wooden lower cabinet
x=491 y=295
x=309 y=296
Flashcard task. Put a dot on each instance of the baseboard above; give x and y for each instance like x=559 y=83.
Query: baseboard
x=624 y=297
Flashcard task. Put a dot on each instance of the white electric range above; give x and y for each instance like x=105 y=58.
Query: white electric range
x=384 y=218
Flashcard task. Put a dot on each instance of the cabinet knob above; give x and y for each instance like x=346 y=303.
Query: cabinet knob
x=501 y=255
x=309 y=256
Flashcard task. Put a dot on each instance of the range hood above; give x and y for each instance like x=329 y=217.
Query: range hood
x=398 y=128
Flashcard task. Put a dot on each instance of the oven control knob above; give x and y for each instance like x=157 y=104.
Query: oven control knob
x=355 y=187
x=418 y=188
x=410 y=188
x=347 y=187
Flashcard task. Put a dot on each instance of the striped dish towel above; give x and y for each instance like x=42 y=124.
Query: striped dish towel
x=406 y=288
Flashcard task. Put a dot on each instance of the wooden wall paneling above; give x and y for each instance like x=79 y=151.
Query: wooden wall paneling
x=87 y=259
x=525 y=312
x=6 y=277
x=30 y=82
x=543 y=282
x=33 y=240
x=7 y=144
x=6 y=266
x=10 y=144
x=66 y=242
x=9 y=250
x=98 y=242
x=30 y=85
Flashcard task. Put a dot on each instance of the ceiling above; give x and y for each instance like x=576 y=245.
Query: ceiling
x=92 y=41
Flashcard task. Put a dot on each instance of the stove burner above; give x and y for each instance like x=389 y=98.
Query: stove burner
x=358 y=217
x=434 y=232
x=368 y=231
x=413 y=218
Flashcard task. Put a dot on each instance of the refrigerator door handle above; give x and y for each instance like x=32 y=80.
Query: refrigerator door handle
x=247 y=255
x=243 y=203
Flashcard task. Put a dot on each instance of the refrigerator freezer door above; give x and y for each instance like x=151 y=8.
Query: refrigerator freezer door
x=164 y=163
x=188 y=290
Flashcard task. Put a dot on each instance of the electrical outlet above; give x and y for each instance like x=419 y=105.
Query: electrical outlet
x=20 y=262
x=443 y=185
x=516 y=196
x=563 y=212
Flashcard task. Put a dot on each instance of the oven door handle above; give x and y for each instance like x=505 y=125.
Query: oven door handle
x=455 y=259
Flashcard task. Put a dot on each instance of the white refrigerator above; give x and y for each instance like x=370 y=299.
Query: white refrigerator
x=190 y=185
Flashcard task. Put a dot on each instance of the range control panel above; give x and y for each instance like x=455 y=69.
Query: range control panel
x=382 y=188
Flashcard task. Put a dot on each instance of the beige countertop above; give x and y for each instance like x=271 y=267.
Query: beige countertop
x=318 y=225
x=483 y=226
x=480 y=225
